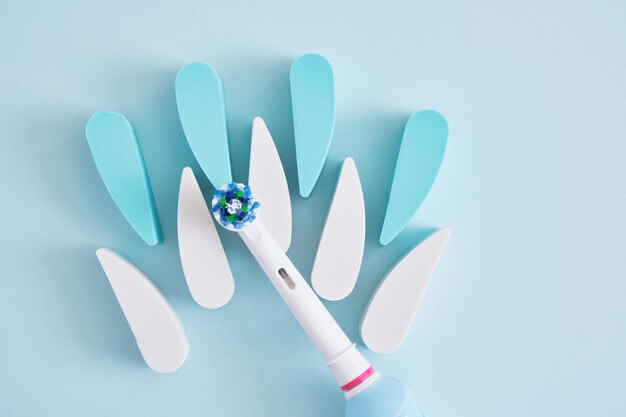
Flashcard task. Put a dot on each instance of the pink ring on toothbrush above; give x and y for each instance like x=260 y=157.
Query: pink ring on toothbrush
x=356 y=381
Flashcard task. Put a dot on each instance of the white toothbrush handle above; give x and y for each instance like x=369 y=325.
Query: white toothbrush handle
x=345 y=361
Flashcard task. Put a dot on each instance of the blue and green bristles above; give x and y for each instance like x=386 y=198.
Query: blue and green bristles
x=234 y=206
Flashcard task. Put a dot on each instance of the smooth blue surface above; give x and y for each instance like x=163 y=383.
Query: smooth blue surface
x=525 y=315
x=118 y=157
x=313 y=106
x=419 y=159
x=200 y=101
x=388 y=397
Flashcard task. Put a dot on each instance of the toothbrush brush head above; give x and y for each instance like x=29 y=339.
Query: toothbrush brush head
x=234 y=206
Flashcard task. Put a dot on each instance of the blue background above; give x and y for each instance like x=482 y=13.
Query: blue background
x=526 y=314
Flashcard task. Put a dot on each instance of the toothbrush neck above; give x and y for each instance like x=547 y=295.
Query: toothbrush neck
x=347 y=364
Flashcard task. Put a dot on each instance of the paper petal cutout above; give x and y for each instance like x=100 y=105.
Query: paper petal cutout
x=391 y=310
x=200 y=101
x=120 y=163
x=419 y=159
x=269 y=184
x=204 y=262
x=340 y=252
x=160 y=336
x=313 y=102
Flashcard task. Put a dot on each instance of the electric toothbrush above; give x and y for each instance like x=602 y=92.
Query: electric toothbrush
x=368 y=393
x=200 y=101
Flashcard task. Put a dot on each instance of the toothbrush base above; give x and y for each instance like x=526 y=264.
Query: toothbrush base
x=388 y=397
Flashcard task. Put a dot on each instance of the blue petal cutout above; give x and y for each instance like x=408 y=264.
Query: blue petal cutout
x=313 y=103
x=117 y=155
x=200 y=101
x=419 y=159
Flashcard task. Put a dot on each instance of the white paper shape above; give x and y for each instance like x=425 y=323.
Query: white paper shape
x=269 y=184
x=160 y=335
x=388 y=316
x=340 y=251
x=202 y=255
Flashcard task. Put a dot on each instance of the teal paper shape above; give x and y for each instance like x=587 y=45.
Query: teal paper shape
x=119 y=161
x=421 y=153
x=200 y=100
x=313 y=103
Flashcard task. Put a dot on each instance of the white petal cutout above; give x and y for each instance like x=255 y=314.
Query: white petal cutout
x=160 y=336
x=388 y=316
x=340 y=251
x=202 y=255
x=269 y=184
